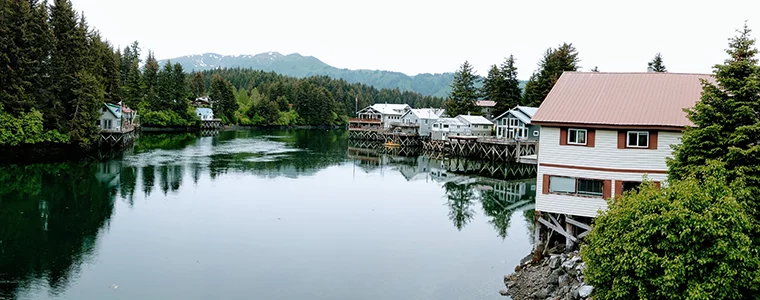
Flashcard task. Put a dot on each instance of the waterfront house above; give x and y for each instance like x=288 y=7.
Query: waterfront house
x=422 y=119
x=486 y=107
x=445 y=127
x=601 y=133
x=515 y=124
x=477 y=125
x=205 y=114
x=378 y=116
x=110 y=117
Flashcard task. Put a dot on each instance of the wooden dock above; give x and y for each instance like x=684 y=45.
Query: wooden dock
x=111 y=138
x=482 y=148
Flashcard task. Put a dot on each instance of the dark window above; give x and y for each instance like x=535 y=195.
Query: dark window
x=631 y=186
x=638 y=139
x=590 y=187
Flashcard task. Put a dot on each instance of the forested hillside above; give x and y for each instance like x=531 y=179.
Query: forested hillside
x=299 y=66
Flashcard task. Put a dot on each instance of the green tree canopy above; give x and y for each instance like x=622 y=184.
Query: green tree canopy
x=223 y=98
x=552 y=65
x=727 y=121
x=198 y=85
x=656 y=64
x=691 y=240
x=463 y=92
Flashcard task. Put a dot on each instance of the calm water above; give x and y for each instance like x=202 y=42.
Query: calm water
x=262 y=215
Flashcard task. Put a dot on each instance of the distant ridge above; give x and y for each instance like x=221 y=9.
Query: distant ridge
x=297 y=65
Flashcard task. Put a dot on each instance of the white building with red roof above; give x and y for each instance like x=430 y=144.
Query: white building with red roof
x=601 y=134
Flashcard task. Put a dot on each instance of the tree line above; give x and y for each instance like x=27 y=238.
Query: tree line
x=58 y=72
x=502 y=86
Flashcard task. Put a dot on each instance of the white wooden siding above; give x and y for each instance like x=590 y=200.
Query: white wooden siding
x=605 y=153
x=582 y=206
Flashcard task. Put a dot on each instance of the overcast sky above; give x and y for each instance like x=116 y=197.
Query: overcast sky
x=413 y=37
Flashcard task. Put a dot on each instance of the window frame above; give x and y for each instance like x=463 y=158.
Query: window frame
x=638 y=139
x=576 y=187
x=577 y=130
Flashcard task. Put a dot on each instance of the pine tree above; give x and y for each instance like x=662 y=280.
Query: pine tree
x=198 y=85
x=179 y=90
x=268 y=111
x=107 y=69
x=727 y=122
x=656 y=64
x=68 y=59
x=511 y=90
x=164 y=88
x=463 y=92
x=493 y=85
x=42 y=39
x=150 y=79
x=223 y=98
x=15 y=39
x=552 y=65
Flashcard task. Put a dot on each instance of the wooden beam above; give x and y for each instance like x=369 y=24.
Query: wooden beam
x=557 y=229
x=576 y=223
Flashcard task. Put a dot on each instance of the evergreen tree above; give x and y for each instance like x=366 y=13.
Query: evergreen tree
x=268 y=111
x=150 y=79
x=656 y=64
x=68 y=59
x=164 y=88
x=727 y=121
x=179 y=90
x=14 y=59
x=223 y=97
x=463 y=92
x=552 y=65
x=198 y=85
x=107 y=69
x=41 y=38
x=512 y=94
x=493 y=85
x=595 y=69
x=282 y=103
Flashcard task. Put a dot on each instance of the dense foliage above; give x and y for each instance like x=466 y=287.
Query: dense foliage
x=656 y=64
x=691 y=240
x=464 y=92
x=318 y=100
x=727 y=122
x=55 y=67
x=501 y=85
x=555 y=61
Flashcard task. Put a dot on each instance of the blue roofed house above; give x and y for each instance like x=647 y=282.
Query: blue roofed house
x=515 y=124
x=205 y=114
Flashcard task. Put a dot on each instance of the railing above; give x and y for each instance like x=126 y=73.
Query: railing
x=358 y=120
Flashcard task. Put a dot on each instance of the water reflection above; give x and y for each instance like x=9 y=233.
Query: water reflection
x=50 y=217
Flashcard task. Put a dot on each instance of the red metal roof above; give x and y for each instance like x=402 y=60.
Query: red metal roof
x=485 y=103
x=640 y=99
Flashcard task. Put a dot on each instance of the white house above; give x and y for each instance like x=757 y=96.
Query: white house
x=423 y=118
x=385 y=113
x=445 y=127
x=110 y=117
x=601 y=133
x=477 y=125
x=204 y=114
x=515 y=124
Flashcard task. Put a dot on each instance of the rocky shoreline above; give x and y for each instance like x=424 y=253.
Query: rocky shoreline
x=557 y=277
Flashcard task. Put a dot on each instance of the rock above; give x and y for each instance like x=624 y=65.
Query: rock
x=564 y=280
x=554 y=276
x=573 y=272
x=574 y=293
x=541 y=294
x=585 y=290
x=554 y=262
x=511 y=284
x=568 y=264
x=503 y=292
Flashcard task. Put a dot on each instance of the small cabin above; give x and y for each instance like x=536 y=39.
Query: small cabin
x=515 y=124
x=422 y=119
x=477 y=125
x=110 y=117
x=443 y=128
x=205 y=114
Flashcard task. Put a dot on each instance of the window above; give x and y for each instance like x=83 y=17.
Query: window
x=562 y=185
x=512 y=122
x=535 y=132
x=435 y=125
x=445 y=125
x=638 y=139
x=576 y=186
x=576 y=136
x=524 y=132
x=590 y=187
x=630 y=186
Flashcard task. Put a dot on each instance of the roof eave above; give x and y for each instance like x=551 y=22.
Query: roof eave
x=667 y=127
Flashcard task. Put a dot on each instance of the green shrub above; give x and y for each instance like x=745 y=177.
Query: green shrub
x=691 y=240
x=27 y=129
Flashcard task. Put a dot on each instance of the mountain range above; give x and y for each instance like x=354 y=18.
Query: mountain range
x=297 y=65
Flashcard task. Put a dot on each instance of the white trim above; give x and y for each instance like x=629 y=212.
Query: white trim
x=585 y=136
x=638 y=136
